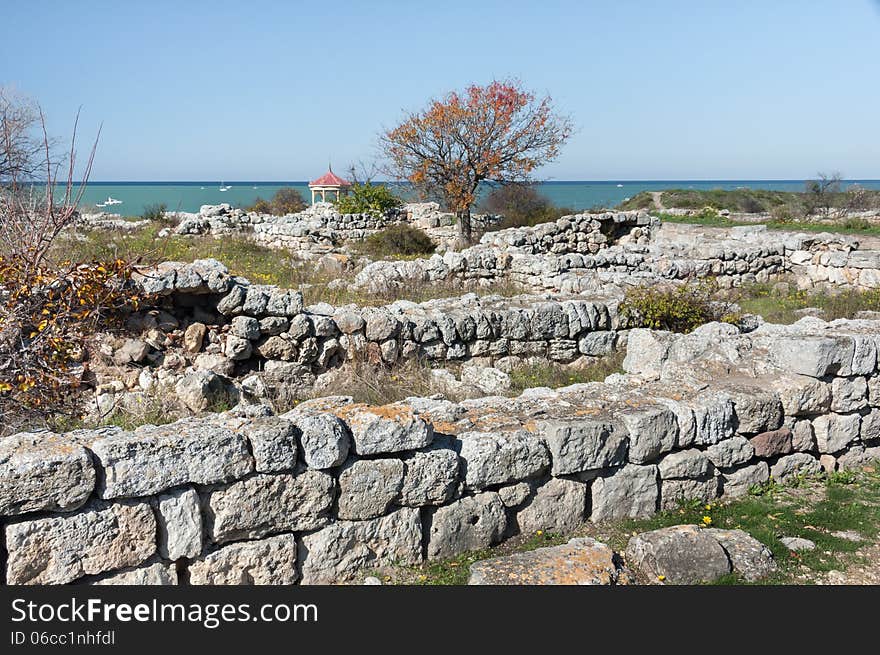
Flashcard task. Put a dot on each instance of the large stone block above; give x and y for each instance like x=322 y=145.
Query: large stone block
x=368 y=487
x=180 y=524
x=691 y=463
x=342 y=549
x=834 y=432
x=793 y=465
x=673 y=492
x=324 y=438
x=730 y=452
x=268 y=503
x=801 y=395
x=271 y=561
x=98 y=538
x=681 y=554
x=582 y=561
x=756 y=410
x=583 y=444
x=43 y=472
x=653 y=430
x=386 y=429
x=559 y=505
x=157 y=573
x=273 y=443
x=849 y=394
x=496 y=458
x=430 y=477
x=737 y=481
x=155 y=458
x=470 y=523
x=815 y=356
x=630 y=492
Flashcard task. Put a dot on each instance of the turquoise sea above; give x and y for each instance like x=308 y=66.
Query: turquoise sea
x=189 y=196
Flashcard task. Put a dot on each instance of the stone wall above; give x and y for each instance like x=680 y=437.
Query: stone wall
x=589 y=252
x=207 y=328
x=320 y=229
x=332 y=488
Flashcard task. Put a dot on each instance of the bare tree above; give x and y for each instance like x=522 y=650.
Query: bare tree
x=822 y=193
x=22 y=150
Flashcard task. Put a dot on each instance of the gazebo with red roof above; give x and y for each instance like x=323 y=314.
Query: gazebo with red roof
x=331 y=182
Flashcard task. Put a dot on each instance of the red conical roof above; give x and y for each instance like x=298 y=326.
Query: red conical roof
x=330 y=179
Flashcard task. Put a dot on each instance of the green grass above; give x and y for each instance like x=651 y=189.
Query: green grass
x=810 y=507
x=777 y=305
x=554 y=375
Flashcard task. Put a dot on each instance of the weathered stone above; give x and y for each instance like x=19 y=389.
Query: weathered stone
x=801 y=395
x=154 y=458
x=489 y=459
x=646 y=352
x=97 y=538
x=630 y=492
x=246 y=327
x=273 y=443
x=714 y=418
x=849 y=394
x=582 y=561
x=681 y=554
x=770 y=444
x=200 y=390
x=583 y=444
x=237 y=348
x=268 y=503
x=271 y=561
x=815 y=356
x=255 y=302
x=793 y=465
x=489 y=380
x=470 y=523
x=274 y=325
x=430 y=477
x=193 y=337
x=674 y=492
x=796 y=544
x=652 y=430
x=285 y=302
x=131 y=351
x=232 y=302
x=756 y=410
x=685 y=464
x=834 y=432
x=751 y=559
x=342 y=549
x=180 y=524
x=730 y=452
x=368 y=487
x=43 y=471
x=802 y=438
x=558 y=505
x=153 y=574
x=597 y=344
x=737 y=482
x=386 y=429
x=324 y=439
x=278 y=348
x=514 y=495
x=870 y=427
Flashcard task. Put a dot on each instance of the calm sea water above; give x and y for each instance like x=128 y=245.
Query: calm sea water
x=189 y=196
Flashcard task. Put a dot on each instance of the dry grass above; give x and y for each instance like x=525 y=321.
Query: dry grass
x=555 y=375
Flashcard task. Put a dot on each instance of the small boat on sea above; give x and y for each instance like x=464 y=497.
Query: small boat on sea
x=223 y=187
x=619 y=186
x=110 y=201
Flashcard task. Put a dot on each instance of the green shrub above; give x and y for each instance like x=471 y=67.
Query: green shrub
x=373 y=199
x=155 y=212
x=287 y=201
x=681 y=308
x=261 y=206
x=396 y=241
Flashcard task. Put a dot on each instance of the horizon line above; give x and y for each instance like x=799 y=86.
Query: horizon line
x=572 y=181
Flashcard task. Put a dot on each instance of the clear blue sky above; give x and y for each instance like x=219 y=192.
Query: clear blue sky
x=264 y=90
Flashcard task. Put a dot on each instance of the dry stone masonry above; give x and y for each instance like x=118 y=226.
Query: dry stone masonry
x=327 y=491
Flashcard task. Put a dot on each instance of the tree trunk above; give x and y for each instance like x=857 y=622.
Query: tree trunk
x=464 y=225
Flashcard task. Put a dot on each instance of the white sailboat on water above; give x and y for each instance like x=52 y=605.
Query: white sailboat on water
x=223 y=186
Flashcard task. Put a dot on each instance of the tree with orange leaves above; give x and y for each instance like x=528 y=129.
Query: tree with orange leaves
x=496 y=133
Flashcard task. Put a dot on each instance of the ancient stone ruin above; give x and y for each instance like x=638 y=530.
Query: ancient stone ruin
x=332 y=489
